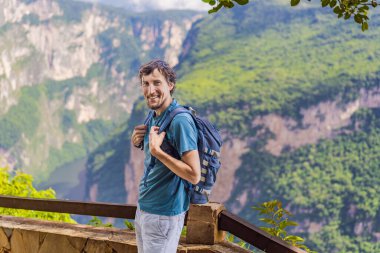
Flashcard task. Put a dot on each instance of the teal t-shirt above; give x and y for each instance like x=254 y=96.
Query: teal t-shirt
x=165 y=193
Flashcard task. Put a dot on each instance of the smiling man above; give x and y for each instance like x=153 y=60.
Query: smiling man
x=163 y=194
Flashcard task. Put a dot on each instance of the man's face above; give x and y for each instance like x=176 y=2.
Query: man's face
x=156 y=91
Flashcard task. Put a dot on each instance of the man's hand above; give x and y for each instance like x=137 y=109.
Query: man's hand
x=138 y=135
x=155 y=140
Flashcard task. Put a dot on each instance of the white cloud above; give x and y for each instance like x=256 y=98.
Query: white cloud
x=141 y=5
x=175 y=4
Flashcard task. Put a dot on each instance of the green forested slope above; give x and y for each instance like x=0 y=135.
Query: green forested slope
x=61 y=102
x=106 y=164
x=273 y=58
x=333 y=184
x=269 y=58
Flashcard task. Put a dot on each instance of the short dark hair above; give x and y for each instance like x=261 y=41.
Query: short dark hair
x=163 y=67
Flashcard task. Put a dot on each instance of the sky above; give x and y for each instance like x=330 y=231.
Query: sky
x=141 y=5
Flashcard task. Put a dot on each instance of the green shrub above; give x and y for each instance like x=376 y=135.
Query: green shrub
x=21 y=185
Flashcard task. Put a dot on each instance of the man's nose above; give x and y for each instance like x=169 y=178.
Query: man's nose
x=151 y=89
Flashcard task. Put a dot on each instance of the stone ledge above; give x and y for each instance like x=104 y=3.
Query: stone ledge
x=25 y=235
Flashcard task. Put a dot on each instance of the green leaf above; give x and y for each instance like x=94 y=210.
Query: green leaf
x=280 y=232
x=215 y=9
x=325 y=3
x=347 y=15
x=337 y=10
x=364 y=26
x=374 y=4
x=129 y=225
x=283 y=233
x=228 y=4
x=212 y=2
x=242 y=244
x=294 y=2
x=272 y=204
x=365 y=7
x=294 y=238
x=242 y=2
x=358 y=19
x=230 y=237
x=283 y=224
x=268 y=230
x=363 y=16
x=261 y=210
x=278 y=212
x=268 y=221
x=258 y=208
x=333 y=3
x=291 y=223
x=301 y=246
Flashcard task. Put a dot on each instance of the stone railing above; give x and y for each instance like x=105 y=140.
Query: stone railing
x=206 y=227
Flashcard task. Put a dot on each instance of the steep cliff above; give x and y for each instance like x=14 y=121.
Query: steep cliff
x=296 y=96
x=67 y=77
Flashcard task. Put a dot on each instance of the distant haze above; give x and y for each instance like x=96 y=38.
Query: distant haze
x=145 y=5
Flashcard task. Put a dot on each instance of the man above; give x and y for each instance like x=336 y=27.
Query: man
x=163 y=195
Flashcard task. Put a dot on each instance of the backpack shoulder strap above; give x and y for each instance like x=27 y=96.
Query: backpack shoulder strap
x=171 y=116
x=148 y=117
x=146 y=122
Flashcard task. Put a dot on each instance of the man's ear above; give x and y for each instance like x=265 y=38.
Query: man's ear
x=171 y=86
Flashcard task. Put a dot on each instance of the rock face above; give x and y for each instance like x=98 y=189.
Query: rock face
x=82 y=59
x=231 y=152
x=321 y=121
x=318 y=122
x=134 y=171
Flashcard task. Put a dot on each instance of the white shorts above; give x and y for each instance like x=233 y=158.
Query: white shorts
x=158 y=233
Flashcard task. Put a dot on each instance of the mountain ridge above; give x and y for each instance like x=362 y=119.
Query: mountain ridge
x=265 y=86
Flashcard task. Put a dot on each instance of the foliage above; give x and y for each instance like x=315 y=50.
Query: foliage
x=31 y=19
x=231 y=238
x=95 y=132
x=57 y=89
x=277 y=218
x=67 y=153
x=106 y=161
x=223 y=3
x=287 y=60
x=129 y=225
x=72 y=10
x=109 y=159
x=331 y=237
x=20 y=119
x=68 y=120
x=333 y=185
x=358 y=9
x=95 y=221
x=21 y=185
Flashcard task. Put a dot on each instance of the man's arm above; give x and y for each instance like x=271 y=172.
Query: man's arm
x=187 y=168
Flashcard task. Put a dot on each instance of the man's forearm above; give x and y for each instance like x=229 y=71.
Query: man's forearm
x=180 y=168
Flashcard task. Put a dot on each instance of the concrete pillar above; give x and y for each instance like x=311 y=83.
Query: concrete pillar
x=202 y=224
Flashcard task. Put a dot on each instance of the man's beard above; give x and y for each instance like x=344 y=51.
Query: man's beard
x=155 y=106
